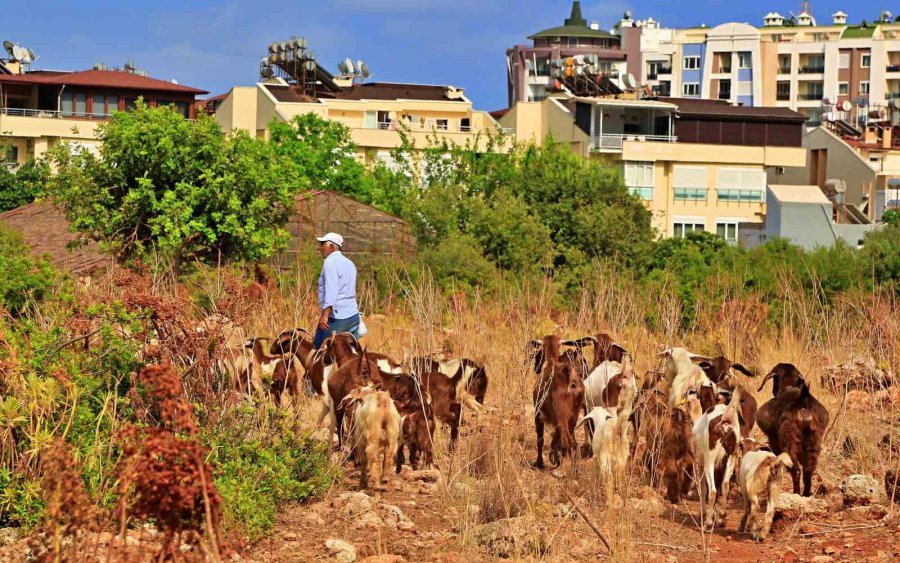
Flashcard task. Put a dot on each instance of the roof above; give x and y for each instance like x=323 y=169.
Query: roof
x=716 y=109
x=289 y=94
x=46 y=231
x=392 y=91
x=798 y=194
x=498 y=113
x=102 y=79
x=614 y=102
x=574 y=26
x=858 y=32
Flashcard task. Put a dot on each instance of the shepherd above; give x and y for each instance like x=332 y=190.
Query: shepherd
x=337 y=291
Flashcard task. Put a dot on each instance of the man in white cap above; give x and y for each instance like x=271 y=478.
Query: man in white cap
x=337 y=291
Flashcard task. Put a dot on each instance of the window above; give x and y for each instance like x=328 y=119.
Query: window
x=865 y=60
x=112 y=104
x=653 y=69
x=690 y=183
x=725 y=89
x=681 y=227
x=690 y=89
x=98 y=107
x=728 y=230
x=843 y=88
x=130 y=103
x=66 y=105
x=745 y=60
x=691 y=63
x=80 y=103
x=779 y=170
x=639 y=179
x=864 y=88
x=844 y=60
x=783 y=90
x=441 y=124
x=371 y=120
x=741 y=184
x=12 y=156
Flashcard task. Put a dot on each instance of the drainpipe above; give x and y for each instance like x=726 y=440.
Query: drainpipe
x=59 y=100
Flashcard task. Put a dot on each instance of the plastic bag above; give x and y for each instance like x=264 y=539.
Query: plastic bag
x=363 y=329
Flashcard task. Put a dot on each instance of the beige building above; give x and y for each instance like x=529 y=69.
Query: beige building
x=40 y=109
x=696 y=164
x=375 y=113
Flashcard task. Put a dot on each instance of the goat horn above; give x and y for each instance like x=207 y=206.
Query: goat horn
x=765 y=380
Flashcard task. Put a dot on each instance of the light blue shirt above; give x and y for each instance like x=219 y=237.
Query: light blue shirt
x=337 y=286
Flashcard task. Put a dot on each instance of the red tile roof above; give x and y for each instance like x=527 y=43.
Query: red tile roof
x=101 y=79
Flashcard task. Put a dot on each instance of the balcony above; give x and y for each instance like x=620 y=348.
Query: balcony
x=691 y=194
x=812 y=69
x=53 y=114
x=893 y=68
x=783 y=96
x=784 y=69
x=428 y=127
x=739 y=195
x=614 y=143
x=810 y=96
x=642 y=192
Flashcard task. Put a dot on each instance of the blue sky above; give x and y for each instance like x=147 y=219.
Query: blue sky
x=216 y=45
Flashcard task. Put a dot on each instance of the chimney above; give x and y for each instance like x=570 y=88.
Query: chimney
x=595 y=25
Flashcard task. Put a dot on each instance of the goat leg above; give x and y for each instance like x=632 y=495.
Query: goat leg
x=539 y=430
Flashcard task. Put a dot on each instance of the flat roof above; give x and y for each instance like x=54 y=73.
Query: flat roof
x=798 y=194
x=702 y=108
x=614 y=102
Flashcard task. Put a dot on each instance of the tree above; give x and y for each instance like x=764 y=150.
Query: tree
x=176 y=188
x=22 y=185
x=322 y=153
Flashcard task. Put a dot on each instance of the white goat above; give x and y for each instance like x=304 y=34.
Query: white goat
x=376 y=433
x=761 y=473
x=681 y=374
x=717 y=434
x=611 y=443
x=597 y=390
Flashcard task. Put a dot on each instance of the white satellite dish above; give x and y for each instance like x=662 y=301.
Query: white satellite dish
x=310 y=65
x=302 y=44
x=342 y=67
x=311 y=55
x=896 y=103
x=273 y=47
x=292 y=43
x=9 y=45
x=349 y=64
x=579 y=70
x=282 y=47
x=31 y=56
x=19 y=53
x=846 y=105
x=364 y=70
x=630 y=82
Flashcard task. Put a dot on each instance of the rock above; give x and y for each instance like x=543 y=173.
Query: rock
x=860 y=490
x=9 y=535
x=789 y=556
x=822 y=559
x=650 y=505
x=519 y=537
x=406 y=526
x=342 y=551
x=859 y=401
x=809 y=529
x=370 y=520
x=867 y=513
x=792 y=507
x=353 y=503
x=290 y=536
x=831 y=549
x=426 y=475
x=383 y=559
x=313 y=519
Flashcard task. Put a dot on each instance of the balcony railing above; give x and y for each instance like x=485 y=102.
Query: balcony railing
x=739 y=195
x=615 y=142
x=643 y=192
x=49 y=113
x=781 y=97
x=812 y=69
x=808 y=96
x=724 y=94
x=893 y=68
x=407 y=126
x=784 y=70
x=691 y=194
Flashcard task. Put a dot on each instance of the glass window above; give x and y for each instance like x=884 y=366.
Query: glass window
x=783 y=91
x=741 y=184
x=12 y=155
x=690 y=89
x=690 y=183
x=80 y=103
x=112 y=104
x=639 y=179
x=745 y=60
x=98 y=107
x=843 y=88
x=681 y=229
x=844 y=60
x=371 y=120
x=864 y=88
x=130 y=103
x=183 y=108
x=441 y=124
x=728 y=231
x=66 y=106
x=865 y=61
x=691 y=63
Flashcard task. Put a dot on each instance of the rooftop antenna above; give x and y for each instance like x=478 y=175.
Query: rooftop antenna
x=9 y=45
x=19 y=53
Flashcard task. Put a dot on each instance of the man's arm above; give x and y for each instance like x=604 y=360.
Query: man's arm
x=329 y=271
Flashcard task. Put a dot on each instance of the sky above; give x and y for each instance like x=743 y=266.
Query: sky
x=217 y=45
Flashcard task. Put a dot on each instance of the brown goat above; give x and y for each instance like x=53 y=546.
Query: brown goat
x=783 y=376
x=447 y=408
x=718 y=370
x=353 y=374
x=472 y=377
x=281 y=370
x=417 y=433
x=676 y=456
x=558 y=396
x=795 y=422
x=575 y=357
x=606 y=349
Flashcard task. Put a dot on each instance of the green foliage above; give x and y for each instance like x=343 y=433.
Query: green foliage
x=23 y=280
x=320 y=155
x=881 y=254
x=891 y=217
x=21 y=503
x=258 y=472
x=457 y=261
x=178 y=188
x=23 y=185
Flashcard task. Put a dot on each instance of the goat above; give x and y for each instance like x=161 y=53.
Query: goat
x=718 y=369
x=606 y=349
x=447 y=408
x=747 y=411
x=761 y=472
x=795 y=422
x=416 y=433
x=279 y=369
x=716 y=436
x=610 y=441
x=472 y=381
x=603 y=387
x=681 y=374
x=342 y=381
x=558 y=395
x=376 y=432
x=783 y=376
x=575 y=357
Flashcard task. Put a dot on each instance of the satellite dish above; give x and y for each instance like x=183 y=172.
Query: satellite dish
x=302 y=44
x=349 y=64
x=528 y=65
x=896 y=103
x=846 y=106
x=310 y=65
x=886 y=16
x=364 y=69
x=630 y=82
x=273 y=47
x=342 y=67
x=282 y=47
x=293 y=43
x=265 y=71
x=273 y=57
x=826 y=102
x=829 y=117
x=311 y=55
x=19 y=53
x=31 y=56
x=579 y=70
x=9 y=45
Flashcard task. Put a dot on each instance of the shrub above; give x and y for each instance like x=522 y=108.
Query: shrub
x=23 y=280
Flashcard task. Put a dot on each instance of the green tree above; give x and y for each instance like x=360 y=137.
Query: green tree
x=22 y=185
x=321 y=153
x=178 y=188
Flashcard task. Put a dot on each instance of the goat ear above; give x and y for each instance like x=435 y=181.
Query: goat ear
x=765 y=380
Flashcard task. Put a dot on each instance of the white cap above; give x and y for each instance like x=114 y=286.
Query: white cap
x=333 y=238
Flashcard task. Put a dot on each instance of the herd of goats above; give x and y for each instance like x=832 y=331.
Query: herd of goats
x=689 y=416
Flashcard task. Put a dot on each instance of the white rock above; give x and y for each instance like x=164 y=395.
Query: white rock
x=860 y=490
x=342 y=551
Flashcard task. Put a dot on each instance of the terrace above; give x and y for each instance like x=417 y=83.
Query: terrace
x=613 y=122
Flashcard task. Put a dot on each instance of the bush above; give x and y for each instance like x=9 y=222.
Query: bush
x=23 y=280
x=22 y=186
x=457 y=260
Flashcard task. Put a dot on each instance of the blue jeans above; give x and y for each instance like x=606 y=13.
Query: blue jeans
x=350 y=324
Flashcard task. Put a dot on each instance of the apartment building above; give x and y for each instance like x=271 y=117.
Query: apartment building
x=375 y=113
x=39 y=109
x=696 y=164
x=530 y=67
